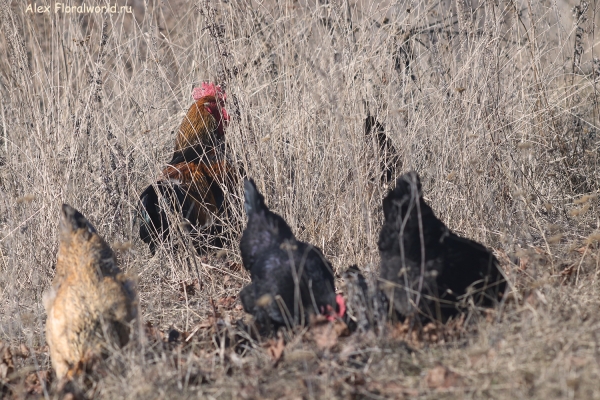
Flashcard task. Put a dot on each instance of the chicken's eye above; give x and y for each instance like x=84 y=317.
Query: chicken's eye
x=210 y=107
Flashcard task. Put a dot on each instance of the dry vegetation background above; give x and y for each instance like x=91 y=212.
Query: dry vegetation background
x=493 y=102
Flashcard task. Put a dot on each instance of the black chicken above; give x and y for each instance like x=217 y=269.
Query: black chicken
x=290 y=279
x=387 y=154
x=425 y=266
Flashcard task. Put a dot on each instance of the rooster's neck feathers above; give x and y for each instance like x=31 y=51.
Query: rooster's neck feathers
x=205 y=122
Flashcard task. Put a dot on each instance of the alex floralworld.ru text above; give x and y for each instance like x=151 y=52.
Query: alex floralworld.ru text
x=82 y=9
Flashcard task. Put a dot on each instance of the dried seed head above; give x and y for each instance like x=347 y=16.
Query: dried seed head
x=524 y=145
x=593 y=238
x=222 y=253
x=579 y=211
x=555 y=238
x=264 y=300
x=585 y=199
x=28 y=198
x=288 y=246
x=122 y=246
x=387 y=285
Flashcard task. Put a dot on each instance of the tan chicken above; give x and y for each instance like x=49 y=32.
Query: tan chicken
x=90 y=302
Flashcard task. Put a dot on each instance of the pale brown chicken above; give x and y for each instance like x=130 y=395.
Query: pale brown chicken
x=90 y=303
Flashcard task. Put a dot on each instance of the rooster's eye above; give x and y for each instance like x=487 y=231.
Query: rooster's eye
x=208 y=107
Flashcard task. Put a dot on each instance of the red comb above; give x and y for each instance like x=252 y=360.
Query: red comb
x=209 y=89
x=331 y=315
x=339 y=299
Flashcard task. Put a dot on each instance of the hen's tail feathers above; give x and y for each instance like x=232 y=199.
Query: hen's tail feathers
x=154 y=223
x=72 y=220
x=253 y=200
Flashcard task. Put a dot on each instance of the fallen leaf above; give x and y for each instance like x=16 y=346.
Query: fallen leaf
x=35 y=382
x=523 y=261
x=581 y=250
x=578 y=362
x=209 y=323
x=275 y=348
x=346 y=352
x=226 y=302
x=392 y=389
x=7 y=365
x=152 y=333
x=356 y=379
x=325 y=333
x=221 y=253
x=568 y=271
x=23 y=351
x=249 y=391
x=235 y=267
x=524 y=145
x=189 y=287
x=440 y=377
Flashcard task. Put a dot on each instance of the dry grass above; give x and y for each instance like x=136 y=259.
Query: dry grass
x=494 y=103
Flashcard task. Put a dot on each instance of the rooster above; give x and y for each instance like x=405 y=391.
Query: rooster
x=290 y=279
x=427 y=268
x=193 y=186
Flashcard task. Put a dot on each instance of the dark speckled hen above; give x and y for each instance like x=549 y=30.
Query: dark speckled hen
x=290 y=279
